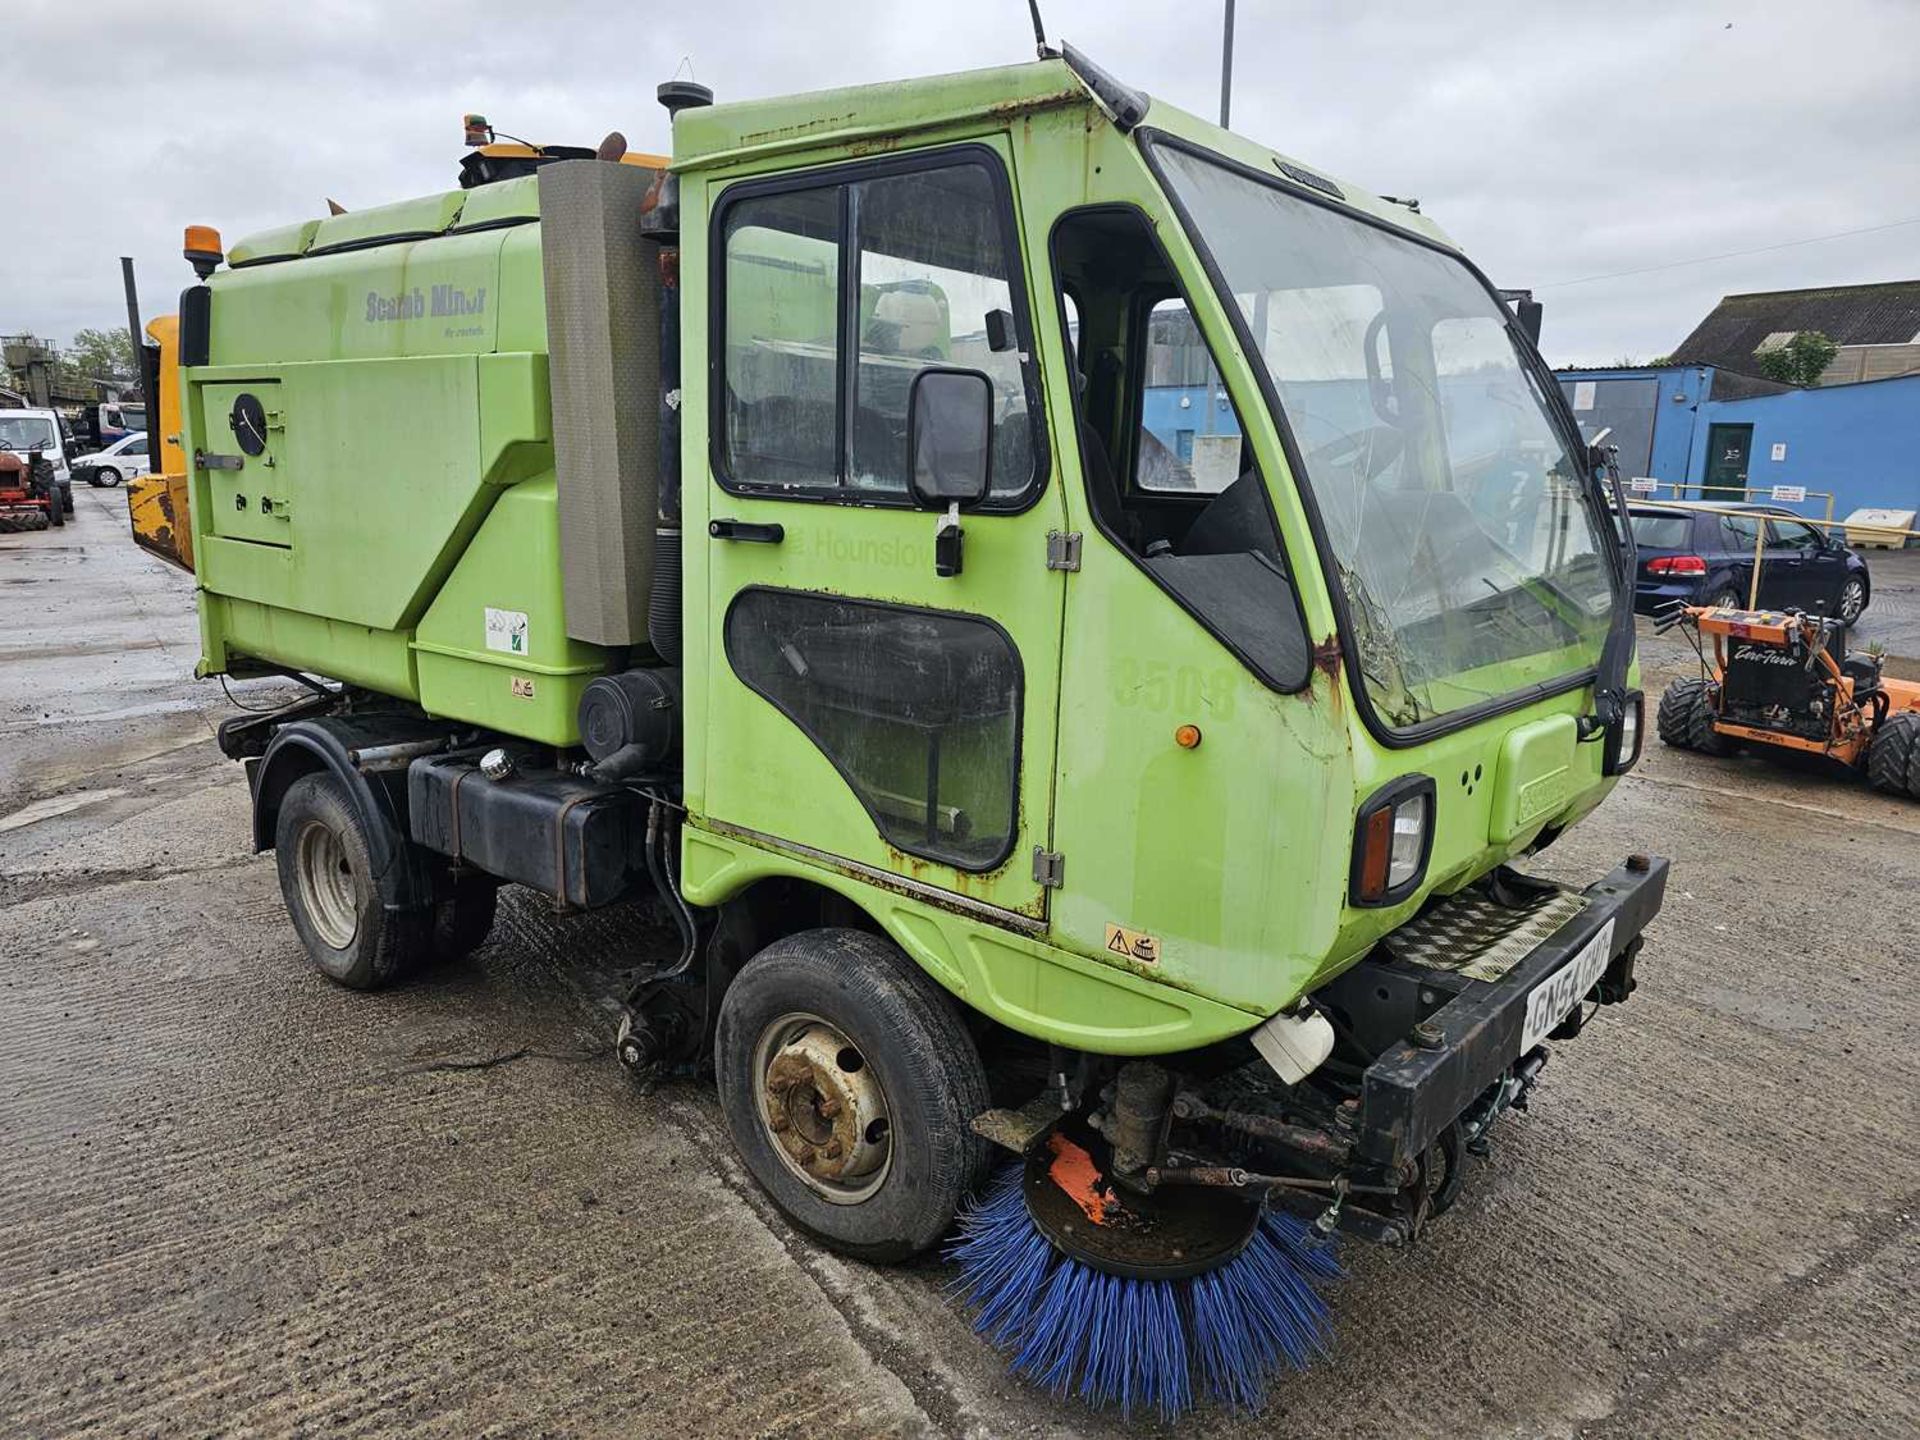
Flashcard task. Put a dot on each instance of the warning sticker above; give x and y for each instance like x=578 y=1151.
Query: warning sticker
x=507 y=630
x=1133 y=945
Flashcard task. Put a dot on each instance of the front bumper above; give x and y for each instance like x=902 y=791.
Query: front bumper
x=1424 y=1082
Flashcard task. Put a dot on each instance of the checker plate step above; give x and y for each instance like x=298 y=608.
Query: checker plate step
x=1474 y=935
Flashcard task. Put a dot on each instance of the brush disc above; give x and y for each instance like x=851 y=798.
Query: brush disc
x=1174 y=1234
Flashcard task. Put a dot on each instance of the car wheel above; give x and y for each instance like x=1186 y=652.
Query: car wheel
x=1726 y=598
x=92 y=477
x=1853 y=600
x=106 y=476
x=849 y=1085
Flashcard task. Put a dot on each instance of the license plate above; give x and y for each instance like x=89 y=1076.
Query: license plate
x=1554 y=997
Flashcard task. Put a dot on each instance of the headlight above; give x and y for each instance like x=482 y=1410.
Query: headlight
x=1623 y=746
x=1391 y=842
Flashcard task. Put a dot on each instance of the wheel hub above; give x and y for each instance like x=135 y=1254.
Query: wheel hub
x=823 y=1107
x=326 y=885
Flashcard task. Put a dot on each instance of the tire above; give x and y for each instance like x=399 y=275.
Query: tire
x=798 y=997
x=1893 y=760
x=56 y=512
x=106 y=476
x=1852 y=601
x=1701 y=735
x=337 y=907
x=1674 y=720
x=66 y=497
x=93 y=478
x=463 y=919
x=1726 y=598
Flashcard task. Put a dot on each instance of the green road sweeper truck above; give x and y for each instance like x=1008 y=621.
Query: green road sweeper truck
x=1077 y=615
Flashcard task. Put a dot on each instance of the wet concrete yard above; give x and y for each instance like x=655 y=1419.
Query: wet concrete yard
x=235 y=1199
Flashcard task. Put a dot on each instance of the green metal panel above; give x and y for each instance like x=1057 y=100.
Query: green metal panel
x=504 y=202
x=281 y=243
x=402 y=220
x=749 y=765
x=1033 y=987
x=522 y=674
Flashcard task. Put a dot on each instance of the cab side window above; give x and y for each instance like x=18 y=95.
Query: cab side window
x=1169 y=478
x=838 y=294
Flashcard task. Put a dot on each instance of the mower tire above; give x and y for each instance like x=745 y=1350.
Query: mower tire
x=463 y=917
x=849 y=1085
x=339 y=909
x=1685 y=720
x=1893 y=760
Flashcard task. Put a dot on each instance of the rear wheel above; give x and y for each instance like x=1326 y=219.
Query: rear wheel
x=849 y=1084
x=463 y=918
x=1726 y=598
x=338 y=909
x=106 y=476
x=1893 y=760
x=56 y=512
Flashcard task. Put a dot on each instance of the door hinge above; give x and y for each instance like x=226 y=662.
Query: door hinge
x=1049 y=868
x=1063 y=549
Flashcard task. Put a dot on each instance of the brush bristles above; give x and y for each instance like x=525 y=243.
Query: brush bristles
x=1142 y=1343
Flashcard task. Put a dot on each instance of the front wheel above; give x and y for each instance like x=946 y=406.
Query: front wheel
x=849 y=1086
x=1853 y=600
x=338 y=909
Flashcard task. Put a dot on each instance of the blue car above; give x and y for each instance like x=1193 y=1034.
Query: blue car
x=1695 y=553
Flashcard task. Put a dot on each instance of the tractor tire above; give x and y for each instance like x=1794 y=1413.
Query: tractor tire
x=56 y=512
x=849 y=1085
x=1893 y=760
x=339 y=910
x=463 y=918
x=1674 y=719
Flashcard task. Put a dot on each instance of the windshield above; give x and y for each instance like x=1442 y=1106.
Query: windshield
x=22 y=432
x=1459 y=525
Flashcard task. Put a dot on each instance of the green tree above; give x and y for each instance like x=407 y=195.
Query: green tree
x=102 y=355
x=1801 y=361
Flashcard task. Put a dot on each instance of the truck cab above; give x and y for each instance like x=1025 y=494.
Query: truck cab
x=1047 y=590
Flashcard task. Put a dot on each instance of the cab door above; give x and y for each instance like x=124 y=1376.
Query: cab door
x=859 y=703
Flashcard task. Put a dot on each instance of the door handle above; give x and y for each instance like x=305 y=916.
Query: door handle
x=746 y=530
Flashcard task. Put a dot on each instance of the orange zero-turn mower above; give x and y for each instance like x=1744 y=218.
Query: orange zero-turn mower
x=1785 y=679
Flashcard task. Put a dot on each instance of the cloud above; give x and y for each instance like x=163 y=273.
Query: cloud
x=1554 y=144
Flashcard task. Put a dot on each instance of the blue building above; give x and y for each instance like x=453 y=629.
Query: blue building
x=1698 y=426
x=1707 y=419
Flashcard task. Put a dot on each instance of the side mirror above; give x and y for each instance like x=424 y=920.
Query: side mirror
x=949 y=438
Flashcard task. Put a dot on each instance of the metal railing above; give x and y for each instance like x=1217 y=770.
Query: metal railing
x=1773 y=494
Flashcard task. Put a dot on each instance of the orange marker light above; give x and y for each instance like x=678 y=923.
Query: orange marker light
x=203 y=249
x=1187 y=737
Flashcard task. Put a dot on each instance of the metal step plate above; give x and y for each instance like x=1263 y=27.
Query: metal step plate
x=1473 y=935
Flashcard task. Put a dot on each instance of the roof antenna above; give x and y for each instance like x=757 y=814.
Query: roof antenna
x=1046 y=51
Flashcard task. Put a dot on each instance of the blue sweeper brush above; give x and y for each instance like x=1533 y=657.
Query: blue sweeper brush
x=1140 y=1302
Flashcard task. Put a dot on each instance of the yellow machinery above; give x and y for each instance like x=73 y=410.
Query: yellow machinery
x=158 y=503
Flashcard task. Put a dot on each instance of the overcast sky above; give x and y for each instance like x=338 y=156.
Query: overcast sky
x=1554 y=142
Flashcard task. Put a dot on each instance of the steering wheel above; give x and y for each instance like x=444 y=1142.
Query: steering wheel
x=1367 y=451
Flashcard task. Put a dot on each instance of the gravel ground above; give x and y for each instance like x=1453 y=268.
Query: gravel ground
x=234 y=1199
